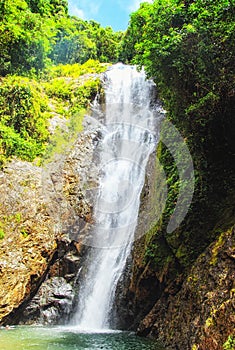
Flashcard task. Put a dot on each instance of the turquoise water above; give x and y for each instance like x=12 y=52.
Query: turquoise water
x=55 y=338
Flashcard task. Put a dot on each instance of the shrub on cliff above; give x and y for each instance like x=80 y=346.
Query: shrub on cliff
x=229 y=344
x=187 y=47
x=23 y=121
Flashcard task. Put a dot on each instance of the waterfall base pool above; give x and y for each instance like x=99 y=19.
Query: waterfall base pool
x=56 y=338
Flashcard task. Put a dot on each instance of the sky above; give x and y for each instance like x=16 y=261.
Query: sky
x=114 y=13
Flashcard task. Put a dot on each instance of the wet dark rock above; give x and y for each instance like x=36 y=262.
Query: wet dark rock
x=186 y=304
x=52 y=303
x=139 y=288
x=201 y=315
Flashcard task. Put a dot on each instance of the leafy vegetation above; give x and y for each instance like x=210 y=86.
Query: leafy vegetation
x=76 y=70
x=2 y=234
x=71 y=88
x=188 y=47
x=63 y=138
x=229 y=344
x=27 y=105
x=36 y=34
x=23 y=121
x=77 y=41
x=42 y=54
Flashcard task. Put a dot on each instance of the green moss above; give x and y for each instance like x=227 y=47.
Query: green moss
x=2 y=229
x=187 y=242
x=182 y=254
x=219 y=243
x=24 y=233
x=230 y=343
x=63 y=139
x=192 y=279
x=2 y=233
x=157 y=251
x=158 y=244
x=18 y=217
x=209 y=322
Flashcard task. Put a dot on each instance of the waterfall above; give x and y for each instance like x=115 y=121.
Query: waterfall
x=129 y=137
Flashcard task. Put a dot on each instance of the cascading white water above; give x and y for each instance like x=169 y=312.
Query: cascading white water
x=129 y=137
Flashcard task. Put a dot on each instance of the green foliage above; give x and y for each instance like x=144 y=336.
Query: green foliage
x=71 y=45
x=2 y=233
x=65 y=86
x=27 y=105
x=12 y=144
x=188 y=47
x=48 y=7
x=85 y=93
x=80 y=97
x=133 y=36
x=36 y=34
x=22 y=103
x=18 y=217
x=72 y=88
x=76 y=96
x=77 y=41
x=24 y=38
x=77 y=69
x=23 y=121
x=229 y=344
x=106 y=41
x=59 y=88
x=24 y=233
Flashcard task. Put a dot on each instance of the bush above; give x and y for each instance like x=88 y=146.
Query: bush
x=23 y=121
x=24 y=108
x=229 y=344
x=77 y=69
x=59 y=88
x=86 y=93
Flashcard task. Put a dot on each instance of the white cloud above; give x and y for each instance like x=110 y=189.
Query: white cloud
x=134 y=5
x=83 y=8
x=76 y=11
x=94 y=7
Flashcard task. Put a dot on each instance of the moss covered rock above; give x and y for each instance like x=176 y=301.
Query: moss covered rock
x=201 y=315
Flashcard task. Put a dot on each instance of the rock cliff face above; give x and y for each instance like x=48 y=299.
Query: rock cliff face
x=29 y=241
x=43 y=213
x=186 y=304
x=201 y=315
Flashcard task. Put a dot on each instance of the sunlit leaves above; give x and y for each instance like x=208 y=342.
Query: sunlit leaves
x=35 y=34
